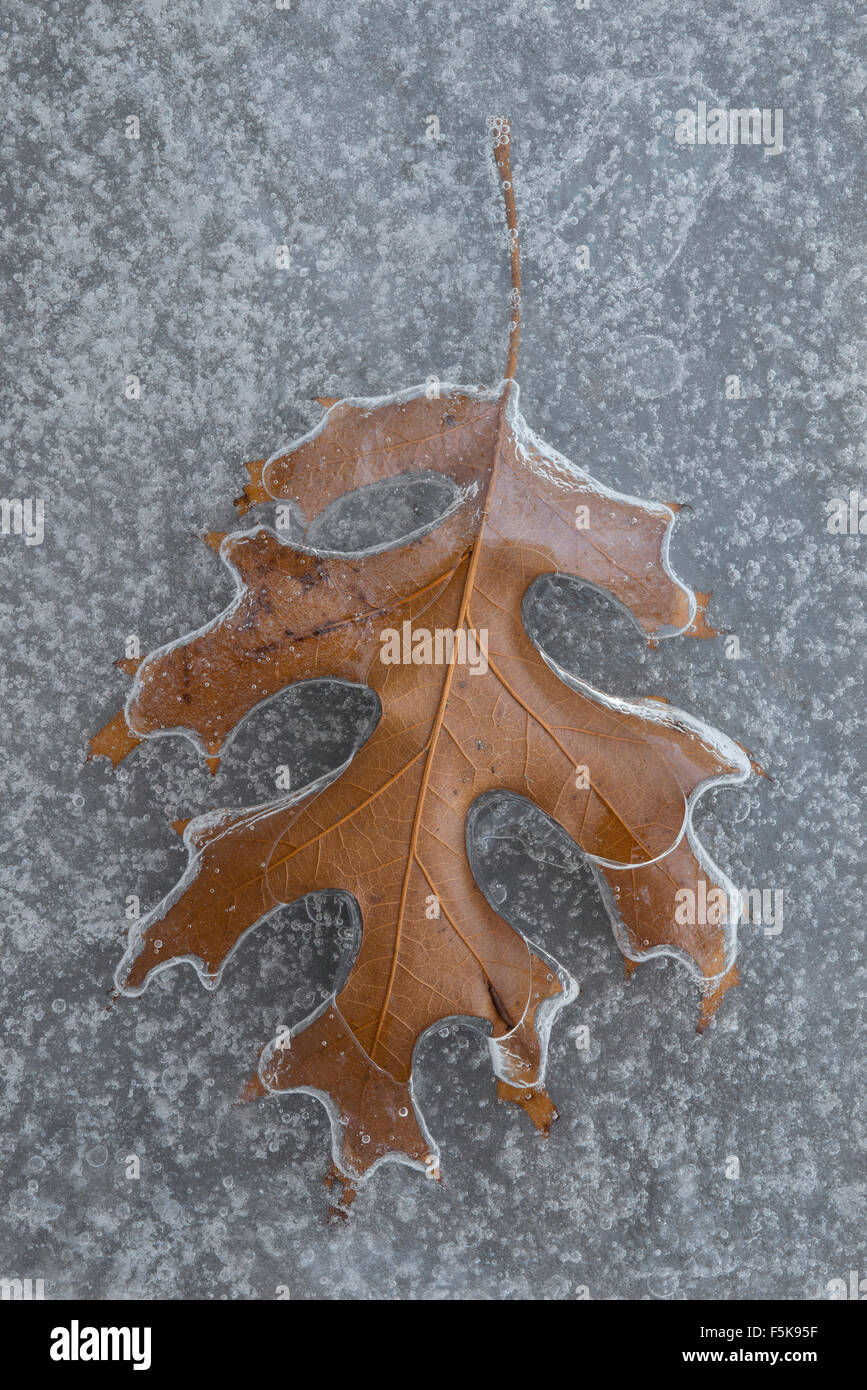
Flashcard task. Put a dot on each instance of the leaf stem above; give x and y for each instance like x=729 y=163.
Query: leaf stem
x=502 y=135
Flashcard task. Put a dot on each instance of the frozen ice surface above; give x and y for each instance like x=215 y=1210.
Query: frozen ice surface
x=155 y=257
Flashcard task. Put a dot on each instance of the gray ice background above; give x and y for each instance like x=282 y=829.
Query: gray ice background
x=306 y=127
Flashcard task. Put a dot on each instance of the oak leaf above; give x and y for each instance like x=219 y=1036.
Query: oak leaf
x=470 y=706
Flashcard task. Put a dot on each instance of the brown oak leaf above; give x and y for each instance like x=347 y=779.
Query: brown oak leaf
x=469 y=705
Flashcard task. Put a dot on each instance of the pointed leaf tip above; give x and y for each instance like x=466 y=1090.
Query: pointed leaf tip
x=114 y=741
x=712 y=1000
x=255 y=491
x=129 y=664
x=534 y=1100
x=253 y=1090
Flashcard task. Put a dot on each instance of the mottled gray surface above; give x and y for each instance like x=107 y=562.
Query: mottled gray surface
x=307 y=127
